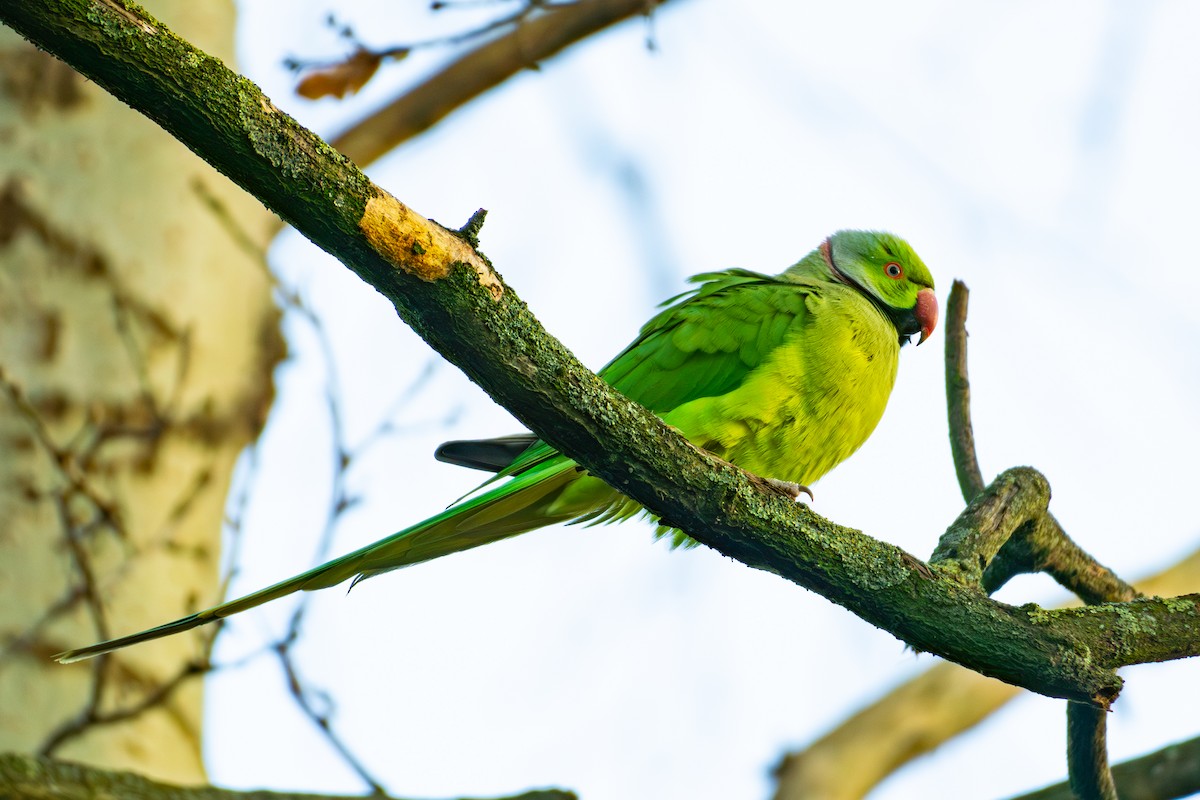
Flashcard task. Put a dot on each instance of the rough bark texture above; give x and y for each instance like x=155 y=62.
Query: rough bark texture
x=478 y=323
x=137 y=340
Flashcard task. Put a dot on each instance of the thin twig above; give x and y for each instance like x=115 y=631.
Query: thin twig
x=92 y=717
x=1087 y=753
x=958 y=394
x=303 y=697
x=342 y=499
x=1041 y=547
x=399 y=51
x=64 y=460
x=480 y=70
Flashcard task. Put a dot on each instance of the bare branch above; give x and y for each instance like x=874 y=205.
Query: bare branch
x=64 y=460
x=342 y=499
x=480 y=70
x=911 y=720
x=958 y=394
x=1040 y=547
x=1087 y=753
x=92 y=717
x=302 y=695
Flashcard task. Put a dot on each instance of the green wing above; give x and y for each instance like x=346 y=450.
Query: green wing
x=703 y=344
x=709 y=340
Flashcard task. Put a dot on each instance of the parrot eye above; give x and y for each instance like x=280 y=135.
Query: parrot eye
x=893 y=270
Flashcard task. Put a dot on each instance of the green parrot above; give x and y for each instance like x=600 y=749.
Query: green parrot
x=785 y=376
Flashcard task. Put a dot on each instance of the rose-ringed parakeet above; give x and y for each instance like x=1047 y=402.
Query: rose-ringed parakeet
x=783 y=375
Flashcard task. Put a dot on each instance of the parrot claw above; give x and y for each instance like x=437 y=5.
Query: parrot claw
x=792 y=490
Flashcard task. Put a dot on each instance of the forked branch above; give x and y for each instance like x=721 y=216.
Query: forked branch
x=449 y=293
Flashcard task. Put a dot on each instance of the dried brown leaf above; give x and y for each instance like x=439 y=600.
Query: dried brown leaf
x=340 y=79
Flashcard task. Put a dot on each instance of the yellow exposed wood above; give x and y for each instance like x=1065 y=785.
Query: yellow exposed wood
x=419 y=247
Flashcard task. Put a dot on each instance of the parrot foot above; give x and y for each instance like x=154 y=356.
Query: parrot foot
x=792 y=490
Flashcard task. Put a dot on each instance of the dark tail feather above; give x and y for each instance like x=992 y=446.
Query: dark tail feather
x=489 y=455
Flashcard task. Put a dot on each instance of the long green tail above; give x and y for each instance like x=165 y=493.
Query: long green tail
x=522 y=504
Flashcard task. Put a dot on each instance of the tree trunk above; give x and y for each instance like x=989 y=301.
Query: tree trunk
x=137 y=341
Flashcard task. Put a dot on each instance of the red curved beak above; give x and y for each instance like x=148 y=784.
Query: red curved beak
x=926 y=312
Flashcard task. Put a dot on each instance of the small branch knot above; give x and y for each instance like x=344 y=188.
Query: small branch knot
x=470 y=232
x=1016 y=497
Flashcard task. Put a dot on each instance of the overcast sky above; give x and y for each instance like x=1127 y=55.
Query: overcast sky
x=1044 y=153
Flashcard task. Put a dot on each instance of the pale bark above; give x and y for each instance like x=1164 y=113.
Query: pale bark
x=137 y=340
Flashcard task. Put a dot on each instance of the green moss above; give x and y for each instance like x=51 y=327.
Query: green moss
x=1180 y=605
x=954 y=571
x=1038 y=615
x=869 y=564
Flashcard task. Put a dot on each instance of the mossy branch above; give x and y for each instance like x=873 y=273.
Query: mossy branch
x=958 y=394
x=1040 y=546
x=1173 y=771
x=451 y=296
x=1036 y=544
x=26 y=776
x=921 y=714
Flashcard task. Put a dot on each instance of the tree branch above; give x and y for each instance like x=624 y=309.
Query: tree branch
x=1042 y=546
x=1046 y=547
x=1016 y=500
x=1087 y=753
x=911 y=720
x=46 y=779
x=1171 y=772
x=958 y=394
x=480 y=70
x=1039 y=545
x=451 y=296
x=944 y=701
x=924 y=712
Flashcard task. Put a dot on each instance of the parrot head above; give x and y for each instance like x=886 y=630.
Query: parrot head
x=890 y=273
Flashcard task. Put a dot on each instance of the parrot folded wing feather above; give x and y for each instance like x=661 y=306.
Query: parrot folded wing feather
x=710 y=340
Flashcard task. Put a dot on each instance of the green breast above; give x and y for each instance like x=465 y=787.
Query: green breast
x=812 y=402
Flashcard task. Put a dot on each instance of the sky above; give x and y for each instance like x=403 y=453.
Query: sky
x=1043 y=153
